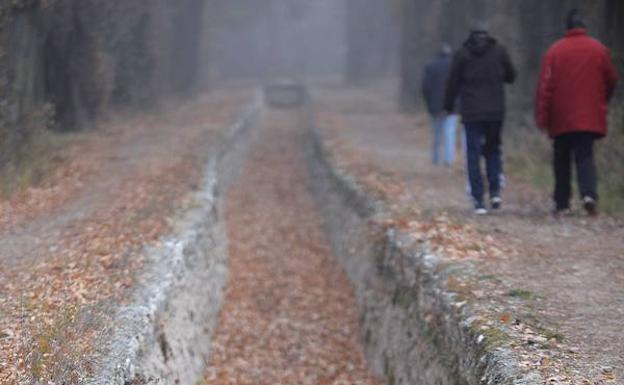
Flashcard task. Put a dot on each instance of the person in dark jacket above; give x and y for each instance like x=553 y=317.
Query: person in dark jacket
x=478 y=75
x=576 y=82
x=444 y=125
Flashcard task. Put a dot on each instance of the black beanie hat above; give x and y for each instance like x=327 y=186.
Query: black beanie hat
x=575 y=19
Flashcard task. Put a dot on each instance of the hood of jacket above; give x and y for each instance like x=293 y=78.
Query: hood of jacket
x=479 y=43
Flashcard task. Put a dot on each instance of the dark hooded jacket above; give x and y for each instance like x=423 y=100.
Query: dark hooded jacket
x=434 y=82
x=478 y=75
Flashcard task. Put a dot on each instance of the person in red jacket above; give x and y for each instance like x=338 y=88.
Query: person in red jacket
x=576 y=83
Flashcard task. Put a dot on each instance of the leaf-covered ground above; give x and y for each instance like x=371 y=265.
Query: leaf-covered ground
x=550 y=289
x=290 y=315
x=71 y=247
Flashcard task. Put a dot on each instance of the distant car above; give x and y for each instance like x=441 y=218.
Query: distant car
x=285 y=93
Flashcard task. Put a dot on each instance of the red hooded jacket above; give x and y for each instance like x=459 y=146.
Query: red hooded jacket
x=576 y=82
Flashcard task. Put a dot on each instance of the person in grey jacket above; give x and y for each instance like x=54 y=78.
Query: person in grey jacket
x=444 y=125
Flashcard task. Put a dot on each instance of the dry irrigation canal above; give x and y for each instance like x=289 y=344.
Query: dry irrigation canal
x=284 y=275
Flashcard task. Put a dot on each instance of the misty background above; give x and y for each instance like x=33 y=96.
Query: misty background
x=64 y=63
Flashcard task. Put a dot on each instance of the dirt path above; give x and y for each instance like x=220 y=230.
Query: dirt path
x=70 y=249
x=566 y=277
x=290 y=315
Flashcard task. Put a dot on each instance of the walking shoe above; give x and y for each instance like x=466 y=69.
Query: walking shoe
x=589 y=204
x=561 y=213
x=480 y=210
x=496 y=202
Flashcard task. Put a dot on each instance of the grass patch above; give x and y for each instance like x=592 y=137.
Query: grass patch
x=462 y=290
x=494 y=337
x=529 y=157
x=62 y=349
x=610 y=161
x=32 y=162
x=553 y=334
x=30 y=152
x=489 y=277
x=521 y=294
x=529 y=160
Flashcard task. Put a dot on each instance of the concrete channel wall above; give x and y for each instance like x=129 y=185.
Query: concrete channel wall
x=415 y=331
x=163 y=335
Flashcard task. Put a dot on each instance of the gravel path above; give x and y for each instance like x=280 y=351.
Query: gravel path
x=563 y=277
x=290 y=315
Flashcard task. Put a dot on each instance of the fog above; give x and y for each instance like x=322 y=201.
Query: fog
x=303 y=38
x=284 y=39
x=254 y=191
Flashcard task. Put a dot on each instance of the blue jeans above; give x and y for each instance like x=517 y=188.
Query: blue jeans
x=444 y=128
x=484 y=139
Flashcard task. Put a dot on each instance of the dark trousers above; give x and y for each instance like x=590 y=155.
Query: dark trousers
x=580 y=146
x=484 y=139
